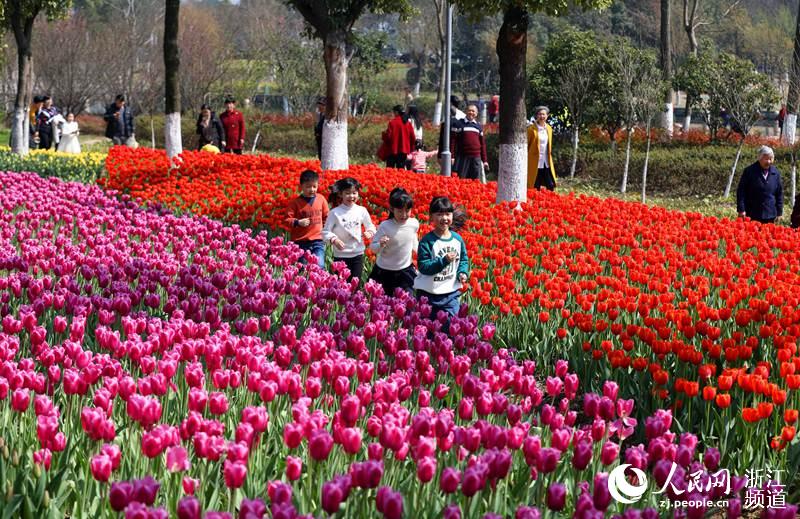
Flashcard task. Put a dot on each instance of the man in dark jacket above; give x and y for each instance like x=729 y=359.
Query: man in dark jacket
x=469 y=147
x=233 y=123
x=119 y=121
x=760 y=192
x=44 y=127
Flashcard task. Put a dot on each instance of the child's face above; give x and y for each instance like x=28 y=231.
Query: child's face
x=349 y=196
x=401 y=215
x=70 y=118
x=309 y=189
x=442 y=221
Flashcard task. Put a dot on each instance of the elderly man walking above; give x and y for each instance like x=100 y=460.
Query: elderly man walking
x=760 y=192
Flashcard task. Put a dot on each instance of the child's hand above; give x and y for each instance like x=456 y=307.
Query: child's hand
x=339 y=244
x=305 y=222
x=369 y=234
x=462 y=277
x=384 y=241
x=450 y=256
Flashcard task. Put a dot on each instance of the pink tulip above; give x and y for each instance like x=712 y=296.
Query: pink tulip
x=100 y=466
x=294 y=468
x=234 y=473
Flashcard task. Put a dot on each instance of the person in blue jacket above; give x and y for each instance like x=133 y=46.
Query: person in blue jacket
x=760 y=192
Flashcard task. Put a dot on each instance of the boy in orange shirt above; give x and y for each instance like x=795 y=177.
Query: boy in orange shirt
x=305 y=216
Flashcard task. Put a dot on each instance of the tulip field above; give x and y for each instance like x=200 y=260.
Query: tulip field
x=164 y=353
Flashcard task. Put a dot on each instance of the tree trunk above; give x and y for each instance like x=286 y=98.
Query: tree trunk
x=666 y=63
x=624 y=186
x=20 y=128
x=733 y=169
x=575 y=137
x=794 y=175
x=793 y=99
x=334 y=130
x=646 y=163
x=512 y=43
x=172 y=93
x=687 y=118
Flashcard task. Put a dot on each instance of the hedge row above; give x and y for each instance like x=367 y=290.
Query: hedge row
x=674 y=170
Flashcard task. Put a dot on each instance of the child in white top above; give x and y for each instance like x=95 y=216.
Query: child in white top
x=342 y=228
x=394 y=242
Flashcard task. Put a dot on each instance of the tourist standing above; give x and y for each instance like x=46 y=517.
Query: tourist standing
x=469 y=147
x=541 y=172
x=44 y=123
x=234 y=129
x=318 y=125
x=493 y=109
x=69 y=136
x=760 y=192
x=209 y=128
x=399 y=139
x=119 y=122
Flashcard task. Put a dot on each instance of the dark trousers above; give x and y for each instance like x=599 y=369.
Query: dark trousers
x=468 y=167
x=231 y=150
x=448 y=303
x=397 y=161
x=45 y=138
x=393 y=279
x=544 y=179
x=355 y=265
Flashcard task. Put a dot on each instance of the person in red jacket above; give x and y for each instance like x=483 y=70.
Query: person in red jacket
x=233 y=123
x=399 y=138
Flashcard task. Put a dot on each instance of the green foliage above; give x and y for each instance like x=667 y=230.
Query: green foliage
x=480 y=8
x=680 y=170
x=26 y=9
x=741 y=90
x=695 y=75
x=567 y=51
x=324 y=18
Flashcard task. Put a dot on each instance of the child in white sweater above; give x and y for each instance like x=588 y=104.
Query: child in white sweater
x=343 y=226
x=394 y=243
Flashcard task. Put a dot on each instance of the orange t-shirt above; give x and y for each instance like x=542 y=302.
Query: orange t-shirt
x=315 y=209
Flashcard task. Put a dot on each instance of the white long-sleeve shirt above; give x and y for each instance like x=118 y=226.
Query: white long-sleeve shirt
x=345 y=223
x=403 y=240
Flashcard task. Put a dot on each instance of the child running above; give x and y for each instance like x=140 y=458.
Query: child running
x=419 y=158
x=342 y=228
x=305 y=215
x=442 y=258
x=394 y=242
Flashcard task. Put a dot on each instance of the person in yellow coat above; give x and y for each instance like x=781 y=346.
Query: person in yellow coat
x=541 y=172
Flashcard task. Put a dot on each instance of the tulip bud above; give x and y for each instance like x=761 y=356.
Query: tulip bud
x=15 y=458
x=46 y=499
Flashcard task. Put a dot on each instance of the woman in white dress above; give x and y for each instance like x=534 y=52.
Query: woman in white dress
x=69 y=136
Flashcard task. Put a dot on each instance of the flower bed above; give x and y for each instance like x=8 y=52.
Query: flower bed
x=693 y=313
x=170 y=365
x=83 y=167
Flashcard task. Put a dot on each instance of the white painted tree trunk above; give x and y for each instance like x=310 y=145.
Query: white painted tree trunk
x=624 y=187
x=334 y=145
x=789 y=129
x=687 y=120
x=512 y=174
x=437 y=113
x=20 y=132
x=794 y=177
x=733 y=169
x=415 y=90
x=172 y=134
x=669 y=118
x=646 y=163
x=484 y=116
x=575 y=139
